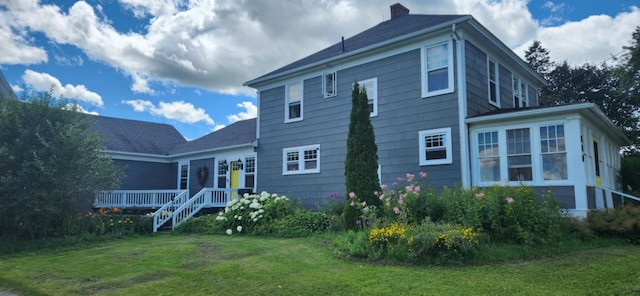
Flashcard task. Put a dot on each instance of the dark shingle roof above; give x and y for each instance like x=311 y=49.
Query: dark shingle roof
x=126 y=135
x=238 y=133
x=378 y=34
x=136 y=136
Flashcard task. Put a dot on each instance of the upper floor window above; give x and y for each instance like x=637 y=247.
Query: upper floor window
x=435 y=146
x=371 y=86
x=493 y=80
x=329 y=84
x=520 y=93
x=301 y=160
x=293 y=100
x=554 y=155
x=437 y=63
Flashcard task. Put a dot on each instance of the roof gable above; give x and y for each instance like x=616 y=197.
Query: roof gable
x=376 y=36
x=238 y=133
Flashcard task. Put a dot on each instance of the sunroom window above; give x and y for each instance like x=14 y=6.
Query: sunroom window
x=554 y=155
x=489 y=156
x=519 y=154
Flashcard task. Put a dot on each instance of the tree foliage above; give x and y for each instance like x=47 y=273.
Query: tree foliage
x=361 y=164
x=613 y=88
x=51 y=165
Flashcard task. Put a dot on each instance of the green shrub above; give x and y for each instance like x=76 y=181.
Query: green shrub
x=260 y=214
x=621 y=223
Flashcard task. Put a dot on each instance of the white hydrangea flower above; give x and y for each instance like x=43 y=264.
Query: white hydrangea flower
x=229 y=231
x=239 y=228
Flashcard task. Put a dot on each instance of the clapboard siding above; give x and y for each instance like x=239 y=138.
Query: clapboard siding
x=142 y=175
x=402 y=113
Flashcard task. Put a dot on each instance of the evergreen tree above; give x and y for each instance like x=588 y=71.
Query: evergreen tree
x=361 y=164
x=538 y=58
x=51 y=166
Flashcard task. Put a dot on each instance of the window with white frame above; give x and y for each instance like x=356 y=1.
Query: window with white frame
x=223 y=167
x=293 y=106
x=437 y=69
x=520 y=93
x=371 y=87
x=329 y=84
x=554 y=155
x=493 y=80
x=489 y=156
x=519 y=155
x=301 y=160
x=249 y=172
x=435 y=146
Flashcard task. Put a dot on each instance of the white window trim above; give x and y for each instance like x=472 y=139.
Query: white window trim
x=286 y=102
x=300 y=150
x=180 y=165
x=423 y=68
x=447 y=144
x=536 y=156
x=524 y=92
x=497 y=81
x=335 y=84
x=373 y=81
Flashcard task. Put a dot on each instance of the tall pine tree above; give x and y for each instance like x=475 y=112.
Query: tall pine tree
x=361 y=164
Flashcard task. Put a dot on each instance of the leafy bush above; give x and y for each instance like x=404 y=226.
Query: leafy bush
x=259 y=214
x=621 y=223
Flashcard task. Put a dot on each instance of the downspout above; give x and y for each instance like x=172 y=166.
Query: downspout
x=465 y=162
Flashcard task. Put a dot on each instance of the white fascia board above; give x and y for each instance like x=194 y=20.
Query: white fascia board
x=256 y=82
x=123 y=155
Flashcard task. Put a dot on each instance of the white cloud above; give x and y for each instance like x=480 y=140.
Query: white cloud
x=78 y=108
x=218 y=45
x=251 y=112
x=219 y=127
x=45 y=82
x=16 y=88
x=180 y=111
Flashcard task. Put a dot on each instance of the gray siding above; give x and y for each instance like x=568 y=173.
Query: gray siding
x=477 y=82
x=402 y=113
x=563 y=194
x=194 y=183
x=143 y=175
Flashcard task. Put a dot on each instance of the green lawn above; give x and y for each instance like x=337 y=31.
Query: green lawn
x=222 y=265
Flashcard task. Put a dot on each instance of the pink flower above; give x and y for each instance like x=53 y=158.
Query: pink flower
x=416 y=189
x=352 y=204
x=351 y=194
x=400 y=201
x=365 y=209
x=394 y=183
x=480 y=195
x=381 y=197
x=410 y=177
x=396 y=210
x=509 y=200
x=376 y=193
x=383 y=186
x=392 y=192
x=423 y=175
x=364 y=203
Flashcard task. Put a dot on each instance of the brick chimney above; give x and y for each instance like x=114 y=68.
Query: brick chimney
x=398 y=10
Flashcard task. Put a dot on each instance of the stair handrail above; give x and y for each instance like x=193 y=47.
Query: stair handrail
x=190 y=207
x=165 y=213
x=629 y=196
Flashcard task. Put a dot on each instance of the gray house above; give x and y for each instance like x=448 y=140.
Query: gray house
x=447 y=98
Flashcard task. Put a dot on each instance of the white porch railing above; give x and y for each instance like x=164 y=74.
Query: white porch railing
x=604 y=197
x=164 y=214
x=207 y=197
x=152 y=199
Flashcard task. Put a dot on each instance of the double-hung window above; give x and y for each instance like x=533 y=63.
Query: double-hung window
x=435 y=146
x=301 y=160
x=493 y=80
x=249 y=172
x=294 y=102
x=519 y=154
x=554 y=155
x=520 y=93
x=489 y=156
x=371 y=87
x=437 y=63
x=329 y=84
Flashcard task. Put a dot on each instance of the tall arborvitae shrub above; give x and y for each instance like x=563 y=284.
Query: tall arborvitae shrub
x=361 y=164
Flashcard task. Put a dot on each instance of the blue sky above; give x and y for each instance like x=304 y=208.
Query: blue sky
x=183 y=62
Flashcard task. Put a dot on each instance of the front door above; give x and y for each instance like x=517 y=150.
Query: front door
x=234 y=179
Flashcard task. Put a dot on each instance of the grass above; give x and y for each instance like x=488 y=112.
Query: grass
x=240 y=265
